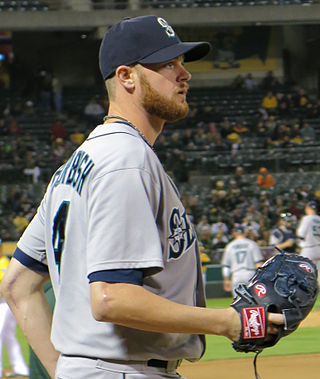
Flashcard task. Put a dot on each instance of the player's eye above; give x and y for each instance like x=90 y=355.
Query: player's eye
x=170 y=64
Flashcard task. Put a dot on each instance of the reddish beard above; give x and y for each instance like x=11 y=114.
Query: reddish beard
x=161 y=106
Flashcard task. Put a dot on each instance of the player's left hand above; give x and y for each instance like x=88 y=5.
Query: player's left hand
x=274 y=321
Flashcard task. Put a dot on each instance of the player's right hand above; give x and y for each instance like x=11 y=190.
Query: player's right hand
x=234 y=330
x=227 y=285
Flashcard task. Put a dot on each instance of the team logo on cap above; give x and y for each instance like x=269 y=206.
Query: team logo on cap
x=260 y=290
x=305 y=267
x=169 y=30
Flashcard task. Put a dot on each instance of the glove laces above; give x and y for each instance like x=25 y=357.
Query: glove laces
x=257 y=376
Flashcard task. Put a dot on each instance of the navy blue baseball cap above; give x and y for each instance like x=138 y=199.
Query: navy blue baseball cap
x=238 y=229
x=145 y=40
x=312 y=204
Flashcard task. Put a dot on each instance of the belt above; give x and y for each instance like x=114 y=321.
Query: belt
x=168 y=365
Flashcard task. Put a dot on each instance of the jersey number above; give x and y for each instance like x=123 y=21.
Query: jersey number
x=316 y=230
x=241 y=256
x=58 y=236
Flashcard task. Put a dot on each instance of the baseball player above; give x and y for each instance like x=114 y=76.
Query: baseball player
x=308 y=234
x=284 y=236
x=8 y=330
x=240 y=259
x=113 y=234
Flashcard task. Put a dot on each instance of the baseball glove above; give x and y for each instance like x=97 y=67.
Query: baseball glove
x=286 y=283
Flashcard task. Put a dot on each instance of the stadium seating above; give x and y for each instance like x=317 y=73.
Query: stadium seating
x=22 y=5
x=202 y=161
x=36 y=5
x=217 y=3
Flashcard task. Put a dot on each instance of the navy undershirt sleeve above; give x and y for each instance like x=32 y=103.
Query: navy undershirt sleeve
x=29 y=262
x=132 y=276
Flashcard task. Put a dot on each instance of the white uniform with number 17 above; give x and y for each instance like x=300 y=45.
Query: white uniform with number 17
x=241 y=256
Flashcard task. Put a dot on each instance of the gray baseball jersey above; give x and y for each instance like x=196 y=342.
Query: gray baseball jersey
x=241 y=256
x=308 y=233
x=112 y=207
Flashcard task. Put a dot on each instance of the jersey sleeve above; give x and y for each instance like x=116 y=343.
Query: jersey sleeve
x=32 y=242
x=122 y=223
x=274 y=238
x=257 y=255
x=225 y=261
x=302 y=228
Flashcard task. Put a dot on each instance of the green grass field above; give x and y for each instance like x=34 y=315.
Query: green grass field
x=302 y=341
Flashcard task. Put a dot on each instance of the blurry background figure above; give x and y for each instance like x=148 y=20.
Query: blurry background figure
x=284 y=236
x=202 y=224
x=58 y=130
x=57 y=94
x=8 y=326
x=94 y=111
x=45 y=89
x=264 y=179
x=4 y=76
x=205 y=260
x=77 y=136
x=240 y=260
x=308 y=234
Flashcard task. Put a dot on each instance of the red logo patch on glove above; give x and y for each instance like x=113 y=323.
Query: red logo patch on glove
x=254 y=321
x=260 y=290
x=305 y=267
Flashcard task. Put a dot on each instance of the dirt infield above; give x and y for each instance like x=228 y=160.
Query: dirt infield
x=287 y=367
x=284 y=367
x=312 y=320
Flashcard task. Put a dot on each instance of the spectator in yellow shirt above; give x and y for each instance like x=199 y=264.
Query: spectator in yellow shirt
x=270 y=101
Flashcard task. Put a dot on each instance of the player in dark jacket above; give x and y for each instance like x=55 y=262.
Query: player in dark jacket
x=283 y=236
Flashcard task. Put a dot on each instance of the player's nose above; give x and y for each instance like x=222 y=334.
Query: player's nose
x=185 y=74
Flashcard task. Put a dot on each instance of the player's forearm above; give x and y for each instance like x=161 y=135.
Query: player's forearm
x=285 y=244
x=22 y=289
x=135 y=307
x=36 y=326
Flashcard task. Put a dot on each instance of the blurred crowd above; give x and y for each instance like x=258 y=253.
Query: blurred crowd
x=29 y=157
x=278 y=117
x=260 y=214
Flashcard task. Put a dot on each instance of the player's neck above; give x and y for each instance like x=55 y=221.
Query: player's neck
x=147 y=125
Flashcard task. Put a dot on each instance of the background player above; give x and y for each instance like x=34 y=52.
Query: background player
x=241 y=258
x=121 y=251
x=308 y=234
x=284 y=236
x=8 y=326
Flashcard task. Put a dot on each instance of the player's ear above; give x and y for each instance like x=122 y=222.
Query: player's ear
x=126 y=77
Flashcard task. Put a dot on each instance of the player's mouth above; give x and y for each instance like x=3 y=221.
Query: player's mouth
x=183 y=91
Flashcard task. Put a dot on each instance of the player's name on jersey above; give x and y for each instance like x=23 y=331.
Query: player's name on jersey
x=74 y=172
x=240 y=246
